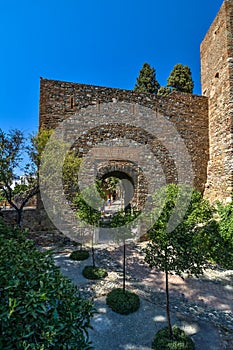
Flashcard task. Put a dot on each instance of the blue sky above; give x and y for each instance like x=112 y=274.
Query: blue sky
x=93 y=42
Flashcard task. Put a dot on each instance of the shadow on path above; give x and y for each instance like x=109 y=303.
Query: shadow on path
x=192 y=303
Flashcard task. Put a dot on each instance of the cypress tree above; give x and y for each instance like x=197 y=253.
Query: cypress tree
x=146 y=81
x=180 y=79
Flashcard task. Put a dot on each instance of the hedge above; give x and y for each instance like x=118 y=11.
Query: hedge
x=40 y=308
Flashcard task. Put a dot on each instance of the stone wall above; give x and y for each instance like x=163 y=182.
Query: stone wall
x=217 y=85
x=32 y=219
x=205 y=123
x=188 y=113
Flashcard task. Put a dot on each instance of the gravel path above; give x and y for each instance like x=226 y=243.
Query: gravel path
x=202 y=307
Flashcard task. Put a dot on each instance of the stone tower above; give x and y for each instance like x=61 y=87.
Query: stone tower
x=217 y=85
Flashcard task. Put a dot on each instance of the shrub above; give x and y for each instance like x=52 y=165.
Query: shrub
x=79 y=255
x=40 y=309
x=218 y=236
x=94 y=272
x=180 y=340
x=123 y=302
x=224 y=246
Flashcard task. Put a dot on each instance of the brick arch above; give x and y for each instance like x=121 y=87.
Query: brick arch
x=123 y=131
x=126 y=170
x=188 y=113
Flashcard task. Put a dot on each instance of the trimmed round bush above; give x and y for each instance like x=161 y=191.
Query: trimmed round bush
x=79 y=255
x=94 y=273
x=123 y=302
x=180 y=340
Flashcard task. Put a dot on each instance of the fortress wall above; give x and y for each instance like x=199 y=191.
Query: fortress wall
x=189 y=114
x=217 y=85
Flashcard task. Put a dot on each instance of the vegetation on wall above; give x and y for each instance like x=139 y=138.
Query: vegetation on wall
x=219 y=236
x=56 y=163
x=224 y=248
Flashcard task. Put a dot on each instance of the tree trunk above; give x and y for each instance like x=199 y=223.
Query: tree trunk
x=124 y=267
x=19 y=217
x=19 y=209
x=93 y=256
x=168 y=306
x=93 y=250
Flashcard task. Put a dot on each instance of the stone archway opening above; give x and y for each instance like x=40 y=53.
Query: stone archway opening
x=120 y=189
x=132 y=187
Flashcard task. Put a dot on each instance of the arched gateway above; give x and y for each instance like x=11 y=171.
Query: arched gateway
x=145 y=139
x=60 y=101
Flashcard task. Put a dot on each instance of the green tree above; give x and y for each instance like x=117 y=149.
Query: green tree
x=20 y=188
x=146 y=81
x=14 y=146
x=71 y=168
x=124 y=218
x=183 y=249
x=12 y=149
x=121 y=300
x=37 y=145
x=110 y=184
x=180 y=79
x=86 y=204
x=164 y=91
x=58 y=169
